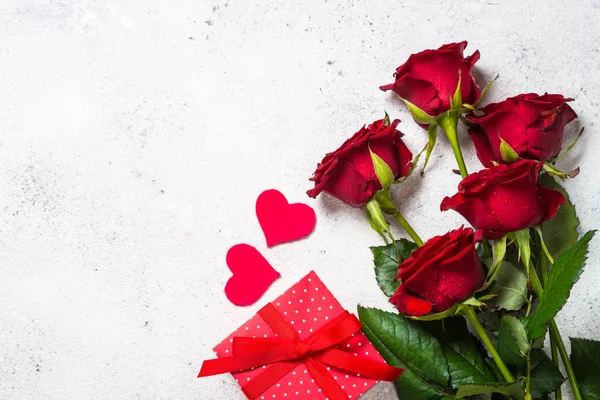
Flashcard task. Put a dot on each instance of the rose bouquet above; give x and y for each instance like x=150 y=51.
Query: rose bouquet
x=476 y=304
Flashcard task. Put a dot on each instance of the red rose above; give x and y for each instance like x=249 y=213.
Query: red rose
x=442 y=272
x=504 y=198
x=348 y=173
x=532 y=125
x=429 y=78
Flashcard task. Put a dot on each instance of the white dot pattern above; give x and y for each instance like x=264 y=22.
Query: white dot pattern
x=298 y=384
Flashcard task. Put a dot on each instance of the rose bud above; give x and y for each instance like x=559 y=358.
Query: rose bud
x=504 y=198
x=348 y=173
x=532 y=125
x=429 y=78
x=442 y=272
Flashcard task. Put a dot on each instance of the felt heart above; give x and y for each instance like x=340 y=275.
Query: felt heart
x=281 y=221
x=252 y=275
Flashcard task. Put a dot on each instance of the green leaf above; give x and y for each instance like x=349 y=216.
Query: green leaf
x=511 y=287
x=584 y=357
x=509 y=389
x=466 y=360
x=408 y=344
x=419 y=115
x=512 y=341
x=382 y=170
x=456 y=100
x=387 y=259
x=545 y=375
x=522 y=237
x=560 y=232
x=563 y=275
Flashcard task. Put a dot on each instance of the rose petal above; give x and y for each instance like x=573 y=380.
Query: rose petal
x=418 y=91
x=409 y=304
x=553 y=199
x=482 y=146
x=348 y=185
x=476 y=212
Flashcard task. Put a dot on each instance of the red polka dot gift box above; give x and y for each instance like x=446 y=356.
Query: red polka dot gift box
x=302 y=345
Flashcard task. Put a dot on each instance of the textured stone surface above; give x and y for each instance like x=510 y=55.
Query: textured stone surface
x=135 y=137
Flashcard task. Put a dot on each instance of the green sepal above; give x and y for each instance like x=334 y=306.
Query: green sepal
x=414 y=162
x=553 y=171
x=498 y=252
x=544 y=248
x=376 y=218
x=386 y=120
x=472 y=301
x=382 y=170
x=569 y=147
x=523 y=238
x=456 y=100
x=375 y=227
x=384 y=199
x=431 y=139
x=488 y=297
x=455 y=309
x=484 y=92
x=419 y=115
x=509 y=155
x=433 y=317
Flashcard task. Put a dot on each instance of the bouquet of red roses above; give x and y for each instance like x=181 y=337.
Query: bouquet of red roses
x=508 y=275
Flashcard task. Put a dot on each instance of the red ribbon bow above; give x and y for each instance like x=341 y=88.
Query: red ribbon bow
x=286 y=352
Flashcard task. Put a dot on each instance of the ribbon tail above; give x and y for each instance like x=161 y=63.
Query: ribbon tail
x=271 y=375
x=246 y=361
x=326 y=382
x=223 y=365
x=358 y=365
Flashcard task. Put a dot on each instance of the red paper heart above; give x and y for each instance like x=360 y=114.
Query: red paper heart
x=281 y=221
x=252 y=275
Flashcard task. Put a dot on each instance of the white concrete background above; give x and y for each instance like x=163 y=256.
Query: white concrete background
x=135 y=137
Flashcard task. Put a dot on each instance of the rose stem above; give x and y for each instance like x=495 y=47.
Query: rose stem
x=449 y=123
x=557 y=339
x=470 y=314
x=409 y=229
x=553 y=345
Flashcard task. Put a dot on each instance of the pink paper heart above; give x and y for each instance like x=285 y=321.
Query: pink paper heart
x=281 y=221
x=252 y=275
